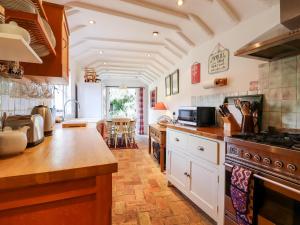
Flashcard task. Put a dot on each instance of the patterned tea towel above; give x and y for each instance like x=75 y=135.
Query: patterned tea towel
x=241 y=189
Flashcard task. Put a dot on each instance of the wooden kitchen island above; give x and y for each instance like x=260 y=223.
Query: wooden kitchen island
x=66 y=180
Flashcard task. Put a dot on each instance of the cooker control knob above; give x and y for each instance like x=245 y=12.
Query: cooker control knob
x=247 y=155
x=278 y=164
x=257 y=158
x=291 y=167
x=267 y=161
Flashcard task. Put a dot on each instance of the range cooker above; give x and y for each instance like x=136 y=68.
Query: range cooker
x=274 y=159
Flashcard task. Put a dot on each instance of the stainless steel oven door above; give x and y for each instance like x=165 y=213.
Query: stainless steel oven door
x=275 y=203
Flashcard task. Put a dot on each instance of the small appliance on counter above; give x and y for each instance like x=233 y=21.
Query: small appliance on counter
x=197 y=116
x=35 y=133
x=47 y=115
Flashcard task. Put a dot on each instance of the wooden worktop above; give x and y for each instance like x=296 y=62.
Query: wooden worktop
x=71 y=153
x=209 y=132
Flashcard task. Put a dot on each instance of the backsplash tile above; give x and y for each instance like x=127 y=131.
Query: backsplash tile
x=15 y=100
x=279 y=82
x=282 y=99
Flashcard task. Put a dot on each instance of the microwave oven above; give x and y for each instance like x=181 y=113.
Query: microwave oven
x=197 y=116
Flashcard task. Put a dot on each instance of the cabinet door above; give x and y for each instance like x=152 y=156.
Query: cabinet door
x=65 y=50
x=203 y=186
x=177 y=165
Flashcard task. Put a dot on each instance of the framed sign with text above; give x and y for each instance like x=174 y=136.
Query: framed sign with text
x=219 y=60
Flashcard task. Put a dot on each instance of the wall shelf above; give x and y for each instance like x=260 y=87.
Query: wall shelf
x=34 y=25
x=15 y=48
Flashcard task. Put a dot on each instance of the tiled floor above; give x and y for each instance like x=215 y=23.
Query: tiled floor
x=141 y=195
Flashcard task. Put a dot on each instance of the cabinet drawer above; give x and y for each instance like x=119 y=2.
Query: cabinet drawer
x=177 y=139
x=155 y=134
x=204 y=148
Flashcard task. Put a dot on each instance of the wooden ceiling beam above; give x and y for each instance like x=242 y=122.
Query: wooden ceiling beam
x=77 y=28
x=229 y=10
x=186 y=39
x=116 y=13
x=133 y=62
x=175 y=45
x=126 y=41
x=122 y=66
x=75 y=45
x=137 y=51
x=200 y=23
x=173 y=52
x=158 y=8
x=123 y=75
x=115 y=57
x=72 y=12
x=132 y=70
x=112 y=77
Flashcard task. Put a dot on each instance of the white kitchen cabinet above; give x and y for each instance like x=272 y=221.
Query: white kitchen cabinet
x=193 y=168
x=178 y=166
x=203 y=186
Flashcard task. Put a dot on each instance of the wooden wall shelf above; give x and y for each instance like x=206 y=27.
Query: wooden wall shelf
x=39 y=5
x=34 y=25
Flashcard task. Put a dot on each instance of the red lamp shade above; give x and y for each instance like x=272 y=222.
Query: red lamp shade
x=160 y=106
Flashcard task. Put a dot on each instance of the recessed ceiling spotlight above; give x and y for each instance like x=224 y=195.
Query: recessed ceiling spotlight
x=104 y=63
x=100 y=52
x=180 y=2
x=92 y=22
x=148 y=54
x=155 y=33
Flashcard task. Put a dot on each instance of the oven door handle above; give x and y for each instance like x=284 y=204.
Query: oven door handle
x=277 y=184
x=228 y=165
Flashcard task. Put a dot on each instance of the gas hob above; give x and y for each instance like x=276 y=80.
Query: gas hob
x=283 y=140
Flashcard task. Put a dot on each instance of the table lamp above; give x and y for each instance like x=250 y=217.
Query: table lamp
x=164 y=119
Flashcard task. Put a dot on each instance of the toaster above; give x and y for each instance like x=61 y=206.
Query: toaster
x=35 y=133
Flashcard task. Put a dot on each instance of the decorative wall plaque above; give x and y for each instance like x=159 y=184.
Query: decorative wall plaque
x=196 y=69
x=219 y=60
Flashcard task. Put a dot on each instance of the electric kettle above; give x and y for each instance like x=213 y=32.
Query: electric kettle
x=46 y=113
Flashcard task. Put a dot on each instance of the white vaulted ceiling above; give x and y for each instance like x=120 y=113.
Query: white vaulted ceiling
x=123 y=32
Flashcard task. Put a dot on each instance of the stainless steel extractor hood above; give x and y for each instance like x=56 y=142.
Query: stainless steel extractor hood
x=281 y=41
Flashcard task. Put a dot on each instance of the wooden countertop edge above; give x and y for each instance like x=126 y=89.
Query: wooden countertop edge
x=57 y=176
x=213 y=135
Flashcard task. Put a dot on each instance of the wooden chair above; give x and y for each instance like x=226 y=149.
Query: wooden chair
x=132 y=129
x=121 y=128
x=110 y=132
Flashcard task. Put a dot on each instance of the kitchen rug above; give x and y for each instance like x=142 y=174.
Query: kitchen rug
x=121 y=145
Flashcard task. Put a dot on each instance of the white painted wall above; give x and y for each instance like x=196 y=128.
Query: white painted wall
x=241 y=71
x=90 y=98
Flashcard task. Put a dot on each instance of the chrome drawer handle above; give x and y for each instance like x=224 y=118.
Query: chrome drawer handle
x=177 y=139
x=200 y=148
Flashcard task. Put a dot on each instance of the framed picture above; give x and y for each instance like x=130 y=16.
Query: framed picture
x=153 y=97
x=196 y=75
x=175 y=82
x=168 y=85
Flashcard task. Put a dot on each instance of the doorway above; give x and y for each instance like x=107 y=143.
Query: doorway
x=121 y=102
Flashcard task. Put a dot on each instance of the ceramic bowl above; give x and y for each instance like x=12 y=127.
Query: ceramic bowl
x=13 y=28
x=13 y=142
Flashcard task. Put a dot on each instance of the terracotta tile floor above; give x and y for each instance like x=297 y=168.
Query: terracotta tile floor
x=141 y=195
